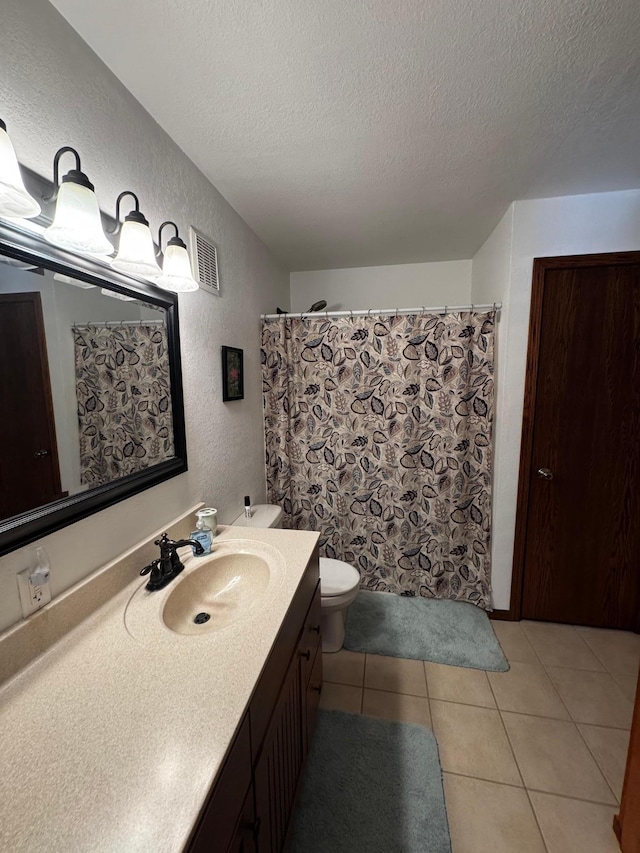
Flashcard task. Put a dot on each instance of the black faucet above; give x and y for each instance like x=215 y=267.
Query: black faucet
x=168 y=565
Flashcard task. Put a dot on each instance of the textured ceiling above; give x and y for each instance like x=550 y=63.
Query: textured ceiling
x=383 y=131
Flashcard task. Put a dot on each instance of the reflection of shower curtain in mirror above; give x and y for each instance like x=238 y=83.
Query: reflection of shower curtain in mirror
x=378 y=435
x=124 y=399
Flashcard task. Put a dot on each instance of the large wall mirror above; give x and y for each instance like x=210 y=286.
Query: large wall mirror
x=90 y=387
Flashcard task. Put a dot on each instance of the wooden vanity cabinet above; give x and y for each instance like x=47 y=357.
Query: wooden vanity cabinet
x=249 y=808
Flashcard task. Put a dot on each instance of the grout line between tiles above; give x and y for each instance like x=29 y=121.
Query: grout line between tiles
x=578 y=799
x=597 y=763
x=508 y=711
x=574 y=719
x=532 y=790
x=520 y=774
x=395 y=692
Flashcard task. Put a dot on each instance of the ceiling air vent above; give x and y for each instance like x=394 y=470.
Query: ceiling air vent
x=205 y=261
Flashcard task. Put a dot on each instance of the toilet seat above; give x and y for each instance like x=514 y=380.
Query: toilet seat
x=337 y=577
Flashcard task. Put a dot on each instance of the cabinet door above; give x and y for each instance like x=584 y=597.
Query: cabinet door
x=312 y=696
x=223 y=813
x=278 y=769
x=244 y=838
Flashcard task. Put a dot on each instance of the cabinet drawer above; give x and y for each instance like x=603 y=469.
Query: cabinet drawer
x=310 y=638
x=223 y=809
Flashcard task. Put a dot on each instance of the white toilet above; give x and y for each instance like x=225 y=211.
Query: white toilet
x=338 y=580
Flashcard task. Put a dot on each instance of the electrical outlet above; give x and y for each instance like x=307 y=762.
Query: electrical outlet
x=32 y=596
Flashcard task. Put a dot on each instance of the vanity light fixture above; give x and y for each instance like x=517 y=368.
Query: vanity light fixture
x=176 y=266
x=114 y=295
x=136 y=252
x=76 y=225
x=15 y=201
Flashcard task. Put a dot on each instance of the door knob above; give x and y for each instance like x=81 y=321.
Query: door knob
x=40 y=453
x=545 y=473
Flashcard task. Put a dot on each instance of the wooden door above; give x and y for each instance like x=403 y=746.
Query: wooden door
x=579 y=509
x=29 y=472
x=626 y=824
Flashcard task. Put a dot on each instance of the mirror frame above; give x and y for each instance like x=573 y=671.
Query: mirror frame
x=17 y=242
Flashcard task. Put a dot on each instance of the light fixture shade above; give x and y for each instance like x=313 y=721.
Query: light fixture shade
x=136 y=252
x=176 y=270
x=77 y=225
x=15 y=201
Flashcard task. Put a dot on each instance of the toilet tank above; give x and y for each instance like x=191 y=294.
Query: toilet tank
x=263 y=515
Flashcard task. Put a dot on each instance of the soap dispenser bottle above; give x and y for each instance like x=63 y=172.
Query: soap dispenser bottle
x=202 y=533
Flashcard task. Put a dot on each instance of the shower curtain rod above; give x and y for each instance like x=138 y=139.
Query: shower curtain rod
x=119 y=323
x=395 y=312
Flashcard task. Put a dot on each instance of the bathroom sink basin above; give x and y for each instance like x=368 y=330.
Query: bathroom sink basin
x=216 y=593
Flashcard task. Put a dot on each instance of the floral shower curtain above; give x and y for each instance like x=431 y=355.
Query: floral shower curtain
x=378 y=435
x=124 y=399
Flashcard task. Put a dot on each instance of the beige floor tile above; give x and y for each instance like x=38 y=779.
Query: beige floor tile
x=341 y=697
x=472 y=741
x=613 y=648
x=552 y=757
x=397 y=675
x=627 y=681
x=397 y=706
x=344 y=667
x=458 y=684
x=570 y=826
x=592 y=697
x=514 y=642
x=527 y=689
x=485 y=817
x=609 y=748
x=560 y=645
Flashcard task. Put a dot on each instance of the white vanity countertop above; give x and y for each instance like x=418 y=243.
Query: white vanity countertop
x=108 y=744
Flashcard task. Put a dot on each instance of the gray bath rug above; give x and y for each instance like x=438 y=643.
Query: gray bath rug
x=370 y=786
x=437 y=630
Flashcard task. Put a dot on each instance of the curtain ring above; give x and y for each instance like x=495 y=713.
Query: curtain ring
x=446 y=311
x=473 y=308
x=494 y=306
x=396 y=313
x=351 y=313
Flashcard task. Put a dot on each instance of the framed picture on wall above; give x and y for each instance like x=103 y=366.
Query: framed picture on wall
x=232 y=374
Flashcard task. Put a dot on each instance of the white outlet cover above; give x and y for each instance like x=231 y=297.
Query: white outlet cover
x=32 y=597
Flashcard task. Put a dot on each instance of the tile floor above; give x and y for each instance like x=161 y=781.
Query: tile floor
x=533 y=758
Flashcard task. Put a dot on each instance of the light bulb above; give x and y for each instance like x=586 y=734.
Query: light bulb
x=136 y=252
x=77 y=225
x=15 y=201
x=176 y=269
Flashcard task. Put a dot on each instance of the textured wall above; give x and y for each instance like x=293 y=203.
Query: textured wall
x=502 y=269
x=393 y=286
x=55 y=91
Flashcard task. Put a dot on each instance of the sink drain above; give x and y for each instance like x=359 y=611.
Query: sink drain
x=201 y=618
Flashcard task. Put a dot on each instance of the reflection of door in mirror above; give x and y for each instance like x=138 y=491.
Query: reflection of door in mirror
x=29 y=472
x=107 y=397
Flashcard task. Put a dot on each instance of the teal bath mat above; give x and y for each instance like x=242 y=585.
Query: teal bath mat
x=437 y=630
x=370 y=786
